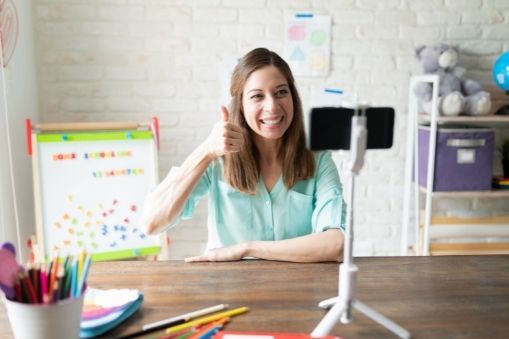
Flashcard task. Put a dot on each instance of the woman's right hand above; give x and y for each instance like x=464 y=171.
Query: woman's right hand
x=225 y=137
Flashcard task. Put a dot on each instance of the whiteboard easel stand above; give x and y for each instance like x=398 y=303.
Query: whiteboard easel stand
x=31 y=137
x=153 y=125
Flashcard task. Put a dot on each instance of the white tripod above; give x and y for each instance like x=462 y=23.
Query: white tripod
x=341 y=305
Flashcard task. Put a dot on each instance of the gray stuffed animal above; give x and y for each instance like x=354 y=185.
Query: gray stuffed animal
x=455 y=94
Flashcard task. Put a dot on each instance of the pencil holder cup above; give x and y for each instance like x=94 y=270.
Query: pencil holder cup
x=51 y=321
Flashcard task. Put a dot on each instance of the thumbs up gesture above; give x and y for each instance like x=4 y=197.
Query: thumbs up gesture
x=225 y=137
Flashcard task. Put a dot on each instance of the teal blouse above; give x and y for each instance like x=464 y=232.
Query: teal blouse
x=311 y=205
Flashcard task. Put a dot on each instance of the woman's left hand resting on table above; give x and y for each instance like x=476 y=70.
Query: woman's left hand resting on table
x=316 y=247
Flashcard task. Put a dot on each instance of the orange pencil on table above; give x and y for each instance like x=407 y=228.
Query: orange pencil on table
x=209 y=327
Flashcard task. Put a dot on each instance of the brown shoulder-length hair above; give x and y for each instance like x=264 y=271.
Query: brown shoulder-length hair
x=241 y=169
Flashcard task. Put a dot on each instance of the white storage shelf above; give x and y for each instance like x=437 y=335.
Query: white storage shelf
x=489 y=120
x=468 y=194
x=412 y=190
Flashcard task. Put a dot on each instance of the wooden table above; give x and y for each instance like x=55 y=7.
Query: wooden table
x=432 y=297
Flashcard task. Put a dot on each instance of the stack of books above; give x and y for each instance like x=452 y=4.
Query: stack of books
x=103 y=310
x=501 y=183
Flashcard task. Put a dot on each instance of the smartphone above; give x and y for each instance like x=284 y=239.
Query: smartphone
x=330 y=128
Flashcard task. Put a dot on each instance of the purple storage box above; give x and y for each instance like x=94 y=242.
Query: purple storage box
x=463 y=158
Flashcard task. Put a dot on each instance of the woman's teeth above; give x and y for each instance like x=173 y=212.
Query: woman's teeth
x=272 y=121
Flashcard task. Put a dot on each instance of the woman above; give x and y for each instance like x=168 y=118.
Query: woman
x=269 y=196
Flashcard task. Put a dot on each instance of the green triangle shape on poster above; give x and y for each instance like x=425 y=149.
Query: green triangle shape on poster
x=297 y=55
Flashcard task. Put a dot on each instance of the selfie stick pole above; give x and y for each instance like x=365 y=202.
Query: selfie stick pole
x=342 y=304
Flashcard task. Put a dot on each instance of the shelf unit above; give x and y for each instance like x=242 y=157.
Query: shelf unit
x=412 y=190
x=468 y=194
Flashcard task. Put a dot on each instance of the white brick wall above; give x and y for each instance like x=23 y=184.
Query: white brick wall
x=132 y=59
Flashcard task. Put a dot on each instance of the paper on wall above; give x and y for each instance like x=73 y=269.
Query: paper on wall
x=307 y=44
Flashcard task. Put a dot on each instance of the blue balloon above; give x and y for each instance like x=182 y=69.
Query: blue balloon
x=501 y=71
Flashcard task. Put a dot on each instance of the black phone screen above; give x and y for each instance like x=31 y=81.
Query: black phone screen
x=330 y=128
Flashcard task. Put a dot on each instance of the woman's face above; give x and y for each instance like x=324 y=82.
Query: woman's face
x=267 y=103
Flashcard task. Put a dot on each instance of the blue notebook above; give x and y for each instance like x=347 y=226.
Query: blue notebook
x=106 y=309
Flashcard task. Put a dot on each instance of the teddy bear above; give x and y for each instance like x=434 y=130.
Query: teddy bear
x=456 y=95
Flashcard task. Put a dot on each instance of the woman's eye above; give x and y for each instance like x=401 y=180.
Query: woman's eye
x=256 y=97
x=282 y=92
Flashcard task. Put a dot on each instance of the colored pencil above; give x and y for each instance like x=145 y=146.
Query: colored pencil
x=17 y=289
x=81 y=257
x=74 y=278
x=53 y=276
x=207 y=319
x=27 y=288
x=186 y=317
x=54 y=292
x=181 y=334
x=52 y=281
x=66 y=262
x=188 y=334
x=44 y=285
x=60 y=290
x=177 y=320
x=67 y=282
x=209 y=329
x=31 y=289
x=83 y=275
x=36 y=281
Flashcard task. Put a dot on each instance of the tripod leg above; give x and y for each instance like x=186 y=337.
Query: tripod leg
x=328 y=303
x=382 y=320
x=331 y=318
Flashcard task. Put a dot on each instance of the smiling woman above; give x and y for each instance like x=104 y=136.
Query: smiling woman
x=269 y=196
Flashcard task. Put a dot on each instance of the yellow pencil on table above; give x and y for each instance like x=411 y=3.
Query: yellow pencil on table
x=208 y=319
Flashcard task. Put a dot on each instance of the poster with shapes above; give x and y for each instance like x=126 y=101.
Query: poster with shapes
x=307 y=44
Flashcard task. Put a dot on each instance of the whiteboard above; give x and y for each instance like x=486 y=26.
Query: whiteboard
x=89 y=190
